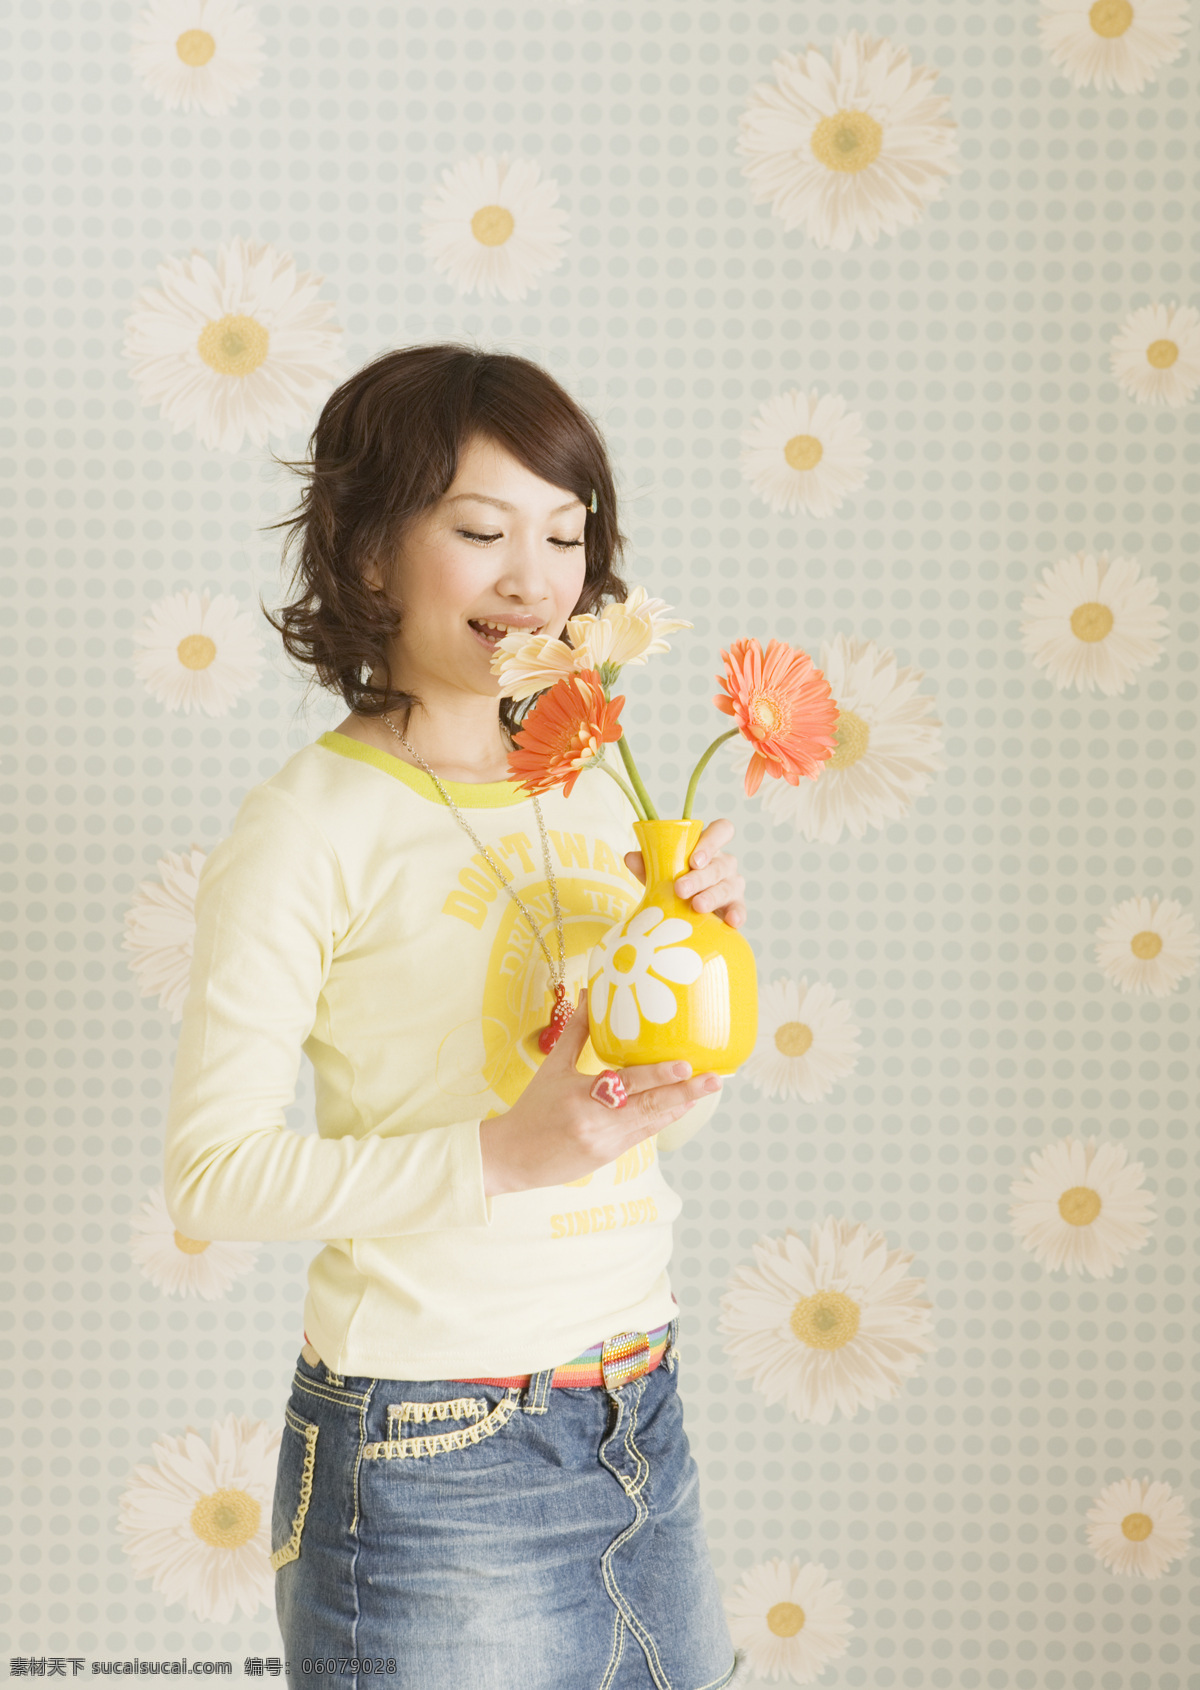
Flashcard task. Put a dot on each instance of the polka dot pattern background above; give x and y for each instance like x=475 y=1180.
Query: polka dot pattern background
x=974 y=345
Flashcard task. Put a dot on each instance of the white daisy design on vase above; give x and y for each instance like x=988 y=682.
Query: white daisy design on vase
x=1148 y=945
x=806 y=1042
x=854 y=145
x=1155 y=354
x=238 y=350
x=1138 y=1526
x=198 y=1523
x=197 y=652
x=791 y=1620
x=182 y=1266
x=1094 y=622
x=197 y=55
x=630 y=967
x=494 y=227
x=1113 y=43
x=831 y=1325
x=1080 y=1207
x=160 y=929
x=805 y=452
x=889 y=746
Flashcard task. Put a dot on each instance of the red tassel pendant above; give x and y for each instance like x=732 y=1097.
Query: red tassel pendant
x=560 y=1015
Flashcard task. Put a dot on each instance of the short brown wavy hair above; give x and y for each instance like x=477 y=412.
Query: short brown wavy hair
x=385 y=448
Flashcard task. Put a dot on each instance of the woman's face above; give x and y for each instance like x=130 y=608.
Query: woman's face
x=502 y=549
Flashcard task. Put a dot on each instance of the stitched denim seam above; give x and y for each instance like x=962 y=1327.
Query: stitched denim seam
x=290 y=1551
x=616 y=1652
x=459 y=1408
x=641 y=1515
x=314 y=1388
x=364 y=1406
x=441 y=1443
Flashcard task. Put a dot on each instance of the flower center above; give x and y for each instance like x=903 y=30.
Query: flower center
x=1091 y=622
x=624 y=958
x=226 y=1519
x=190 y=1246
x=195 y=47
x=784 y=1619
x=849 y=140
x=1079 y=1206
x=234 y=345
x=1137 y=1527
x=853 y=736
x=826 y=1320
x=1111 y=18
x=195 y=651
x=793 y=1038
x=765 y=715
x=492 y=225
x=1146 y=945
x=803 y=451
x=1161 y=354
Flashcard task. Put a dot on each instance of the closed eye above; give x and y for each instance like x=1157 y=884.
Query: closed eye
x=486 y=540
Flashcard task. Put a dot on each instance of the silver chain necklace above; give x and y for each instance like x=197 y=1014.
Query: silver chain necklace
x=558 y=1019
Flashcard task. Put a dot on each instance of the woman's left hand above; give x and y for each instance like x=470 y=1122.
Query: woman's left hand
x=712 y=882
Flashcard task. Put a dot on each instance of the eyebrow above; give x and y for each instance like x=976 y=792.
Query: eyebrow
x=483 y=499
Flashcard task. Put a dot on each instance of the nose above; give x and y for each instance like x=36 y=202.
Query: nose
x=524 y=575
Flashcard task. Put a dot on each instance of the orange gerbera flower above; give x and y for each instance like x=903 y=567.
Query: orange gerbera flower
x=566 y=730
x=783 y=706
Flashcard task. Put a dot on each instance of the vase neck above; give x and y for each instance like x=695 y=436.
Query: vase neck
x=666 y=847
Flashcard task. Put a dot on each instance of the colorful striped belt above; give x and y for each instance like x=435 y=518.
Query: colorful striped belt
x=612 y=1363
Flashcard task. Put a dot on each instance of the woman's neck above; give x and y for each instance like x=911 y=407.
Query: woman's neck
x=455 y=750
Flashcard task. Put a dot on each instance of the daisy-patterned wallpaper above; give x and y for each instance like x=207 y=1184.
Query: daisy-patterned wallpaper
x=888 y=313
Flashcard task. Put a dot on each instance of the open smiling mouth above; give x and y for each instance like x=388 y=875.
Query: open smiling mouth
x=490 y=634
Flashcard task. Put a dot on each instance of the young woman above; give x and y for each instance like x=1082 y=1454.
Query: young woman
x=483 y=1478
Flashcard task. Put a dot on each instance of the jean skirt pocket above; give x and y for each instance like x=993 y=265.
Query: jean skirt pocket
x=293 y=1487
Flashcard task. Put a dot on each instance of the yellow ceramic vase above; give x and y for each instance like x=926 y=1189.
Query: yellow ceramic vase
x=668 y=983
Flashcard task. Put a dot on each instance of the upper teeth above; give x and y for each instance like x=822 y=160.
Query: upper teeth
x=501 y=628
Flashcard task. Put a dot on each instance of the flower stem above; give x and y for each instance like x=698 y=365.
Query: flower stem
x=651 y=814
x=613 y=775
x=699 y=770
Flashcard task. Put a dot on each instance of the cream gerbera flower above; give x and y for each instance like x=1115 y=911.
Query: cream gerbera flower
x=199 y=1522
x=182 y=1266
x=856 y=146
x=805 y=452
x=197 y=55
x=829 y=1325
x=1079 y=1207
x=494 y=227
x=237 y=351
x=1113 y=43
x=618 y=634
x=1138 y=1526
x=792 y=1620
x=197 y=653
x=1155 y=354
x=1148 y=945
x=1094 y=622
x=889 y=745
x=160 y=929
x=806 y=1042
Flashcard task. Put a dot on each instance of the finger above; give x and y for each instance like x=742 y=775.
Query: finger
x=694 y=880
x=733 y=915
x=635 y=863
x=565 y=1050
x=728 y=890
x=647 y=1075
x=660 y=1101
x=710 y=841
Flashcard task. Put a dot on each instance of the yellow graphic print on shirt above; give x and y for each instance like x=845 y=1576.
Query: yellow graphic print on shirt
x=499 y=1054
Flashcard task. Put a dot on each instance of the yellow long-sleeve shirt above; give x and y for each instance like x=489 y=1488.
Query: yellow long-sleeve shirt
x=349 y=916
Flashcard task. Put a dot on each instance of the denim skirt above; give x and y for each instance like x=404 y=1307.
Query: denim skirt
x=436 y=1535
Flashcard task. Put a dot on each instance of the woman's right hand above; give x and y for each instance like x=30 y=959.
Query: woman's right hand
x=556 y=1132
